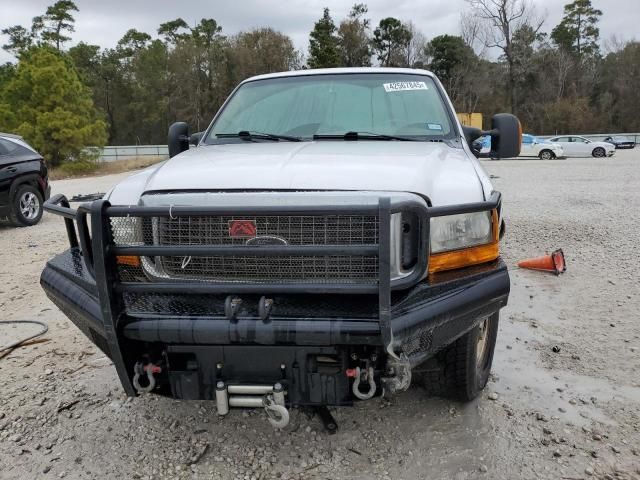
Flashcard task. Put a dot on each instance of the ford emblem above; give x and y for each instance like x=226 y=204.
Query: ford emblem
x=266 y=240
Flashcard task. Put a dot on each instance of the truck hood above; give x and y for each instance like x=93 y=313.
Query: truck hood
x=445 y=174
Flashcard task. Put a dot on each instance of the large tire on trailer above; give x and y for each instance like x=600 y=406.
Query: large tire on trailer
x=462 y=369
x=26 y=206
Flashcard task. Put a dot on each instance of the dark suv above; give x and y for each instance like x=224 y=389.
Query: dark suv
x=24 y=184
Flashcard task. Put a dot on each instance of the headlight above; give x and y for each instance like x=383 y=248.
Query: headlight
x=126 y=231
x=463 y=240
x=455 y=232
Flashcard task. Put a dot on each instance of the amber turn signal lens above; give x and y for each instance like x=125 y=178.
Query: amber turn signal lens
x=468 y=256
x=130 y=260
x=463 y=258
x=520 y=134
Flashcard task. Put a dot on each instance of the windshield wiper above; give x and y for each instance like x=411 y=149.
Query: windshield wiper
x=363 y=136
x=251 y=134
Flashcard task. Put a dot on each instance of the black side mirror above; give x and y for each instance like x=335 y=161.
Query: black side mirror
x=506 y=136
x=178 y=138
x=471 y=134
x=195 y=138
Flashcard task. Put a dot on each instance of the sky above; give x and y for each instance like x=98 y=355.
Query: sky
x=103 y=22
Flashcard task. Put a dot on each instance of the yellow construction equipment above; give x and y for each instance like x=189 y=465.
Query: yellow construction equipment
x=471 y=119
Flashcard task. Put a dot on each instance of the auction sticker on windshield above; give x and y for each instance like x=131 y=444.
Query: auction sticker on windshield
x=402 y=86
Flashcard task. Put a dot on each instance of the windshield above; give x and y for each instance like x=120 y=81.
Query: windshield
x=367 y=103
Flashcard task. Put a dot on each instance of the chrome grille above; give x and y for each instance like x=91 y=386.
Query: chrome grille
x=312 y=230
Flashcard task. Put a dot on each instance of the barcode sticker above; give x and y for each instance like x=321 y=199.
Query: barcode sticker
x=403 y=86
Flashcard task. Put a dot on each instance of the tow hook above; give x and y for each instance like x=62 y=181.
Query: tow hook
x=364 y=376
x=150 y=370
x=232 y=307
x=278 y=415
x=265 y=306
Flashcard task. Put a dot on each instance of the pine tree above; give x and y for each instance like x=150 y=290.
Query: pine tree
x=390 y=40
x=578 y=31
x=20 y=39
x=171 y=30
x=45 y=102
x=57 y=20
x=323 y=43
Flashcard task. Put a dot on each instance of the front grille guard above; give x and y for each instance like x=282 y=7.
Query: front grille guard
x=99 y=252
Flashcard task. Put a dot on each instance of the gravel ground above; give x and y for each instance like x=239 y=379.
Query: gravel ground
x=572 y=413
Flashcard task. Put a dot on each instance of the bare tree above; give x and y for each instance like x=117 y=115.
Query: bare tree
x=415 y=47
x=563 y=63
x=472 y=32
x=614 y=44
x=505 y=18
x=557 y=65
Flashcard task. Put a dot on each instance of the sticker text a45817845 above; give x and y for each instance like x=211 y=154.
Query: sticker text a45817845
x=401 y=86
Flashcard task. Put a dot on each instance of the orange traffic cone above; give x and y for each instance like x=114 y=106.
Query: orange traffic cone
x=548 y=263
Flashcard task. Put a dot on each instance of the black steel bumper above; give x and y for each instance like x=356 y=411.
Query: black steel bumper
x=417 y=320
x=424 y=319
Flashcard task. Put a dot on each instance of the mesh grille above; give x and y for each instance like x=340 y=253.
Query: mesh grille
x=285 y=230
x=251 y=268
x=296 y=230
x=292 y=306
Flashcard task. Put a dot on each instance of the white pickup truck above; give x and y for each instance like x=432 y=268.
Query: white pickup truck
x=329 y=236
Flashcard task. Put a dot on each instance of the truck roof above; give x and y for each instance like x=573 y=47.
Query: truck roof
x=330 y=71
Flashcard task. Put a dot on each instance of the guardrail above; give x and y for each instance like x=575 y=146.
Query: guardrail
x=127 y=152
x=597 y=137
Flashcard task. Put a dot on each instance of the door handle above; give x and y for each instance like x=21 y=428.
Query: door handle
x=12 y=169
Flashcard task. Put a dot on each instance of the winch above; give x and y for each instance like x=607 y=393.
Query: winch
x=269 y=397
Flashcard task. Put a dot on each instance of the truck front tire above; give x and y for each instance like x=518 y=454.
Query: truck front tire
x=462 y=369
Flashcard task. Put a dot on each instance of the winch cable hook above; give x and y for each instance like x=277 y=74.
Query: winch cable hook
x=278 y=415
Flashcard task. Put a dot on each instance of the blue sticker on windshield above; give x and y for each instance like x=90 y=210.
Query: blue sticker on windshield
x=434 y=126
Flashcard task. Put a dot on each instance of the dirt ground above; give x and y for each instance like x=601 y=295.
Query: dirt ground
x=572 y=413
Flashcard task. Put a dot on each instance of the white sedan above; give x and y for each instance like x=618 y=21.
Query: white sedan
x=536 y=147
x=575 y=146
